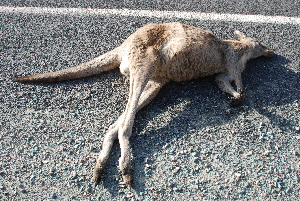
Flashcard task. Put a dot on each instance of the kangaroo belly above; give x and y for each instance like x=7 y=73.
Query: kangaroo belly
x=189 y=63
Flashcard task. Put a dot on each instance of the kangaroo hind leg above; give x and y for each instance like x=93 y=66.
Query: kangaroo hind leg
x=143 y=65
x=151 y=90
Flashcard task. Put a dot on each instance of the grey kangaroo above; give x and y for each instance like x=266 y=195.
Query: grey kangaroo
x=153 y=56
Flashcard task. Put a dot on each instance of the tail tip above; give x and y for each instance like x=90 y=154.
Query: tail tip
x=21 y=79
x=16 y=79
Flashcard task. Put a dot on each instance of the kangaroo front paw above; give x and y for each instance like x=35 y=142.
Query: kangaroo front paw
x=236 y=101
x=98 y=171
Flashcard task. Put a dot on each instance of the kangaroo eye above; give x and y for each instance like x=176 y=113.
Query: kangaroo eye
x=258 y=43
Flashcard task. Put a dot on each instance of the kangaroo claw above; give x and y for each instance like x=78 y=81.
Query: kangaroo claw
x=98 y=171
x=236 y=101
x=127 y=176
x=127 y=179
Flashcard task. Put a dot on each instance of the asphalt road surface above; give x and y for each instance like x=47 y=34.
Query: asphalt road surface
x=188 y=144
x=275 y=7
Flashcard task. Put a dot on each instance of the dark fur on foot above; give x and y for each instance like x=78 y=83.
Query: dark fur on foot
x=234 y=102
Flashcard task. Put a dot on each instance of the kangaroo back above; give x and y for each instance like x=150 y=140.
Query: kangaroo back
x=105 y=62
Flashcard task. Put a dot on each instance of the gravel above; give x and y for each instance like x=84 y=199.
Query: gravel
x=188 y=144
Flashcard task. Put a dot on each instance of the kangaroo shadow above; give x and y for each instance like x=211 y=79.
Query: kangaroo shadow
x=195 y=105
x=267 y=83
x=271 y=84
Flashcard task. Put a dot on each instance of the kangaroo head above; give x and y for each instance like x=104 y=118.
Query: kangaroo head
x=257 y=49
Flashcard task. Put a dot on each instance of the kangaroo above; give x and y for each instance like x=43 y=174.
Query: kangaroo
x=153 y=56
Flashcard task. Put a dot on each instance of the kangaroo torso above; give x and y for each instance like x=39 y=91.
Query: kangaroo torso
x=185 y=52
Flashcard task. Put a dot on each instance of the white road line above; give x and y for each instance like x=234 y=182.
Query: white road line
x=154 y=14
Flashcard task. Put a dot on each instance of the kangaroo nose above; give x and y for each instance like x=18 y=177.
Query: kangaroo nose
x=270 y=53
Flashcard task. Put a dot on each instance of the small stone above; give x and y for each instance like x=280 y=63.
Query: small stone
x=266 y=153
x=297 y=178
x=129 y=196
x=23 y=191
x=194 y=153
x=242 y=191
x=52 y=172
x=176 y=169
x=195 y=160
x=81 y=161
x=295 y=153
x=207 y=170
x=54 y=196
x=238 y=175
x=89 y=190
x=73 y=175
x=288 y=190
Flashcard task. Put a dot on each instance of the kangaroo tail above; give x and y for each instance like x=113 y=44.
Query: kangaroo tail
x=105 y=62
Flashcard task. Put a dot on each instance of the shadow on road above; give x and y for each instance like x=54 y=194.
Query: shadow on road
x=268 y=83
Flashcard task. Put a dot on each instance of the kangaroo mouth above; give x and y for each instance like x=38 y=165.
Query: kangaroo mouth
x=269 y=53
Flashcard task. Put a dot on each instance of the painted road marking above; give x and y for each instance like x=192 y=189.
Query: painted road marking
x=154 y=14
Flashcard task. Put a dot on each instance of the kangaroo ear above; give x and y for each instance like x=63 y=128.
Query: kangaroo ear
x=240 y=35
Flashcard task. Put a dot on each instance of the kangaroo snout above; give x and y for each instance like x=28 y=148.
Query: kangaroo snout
x=269 y=53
